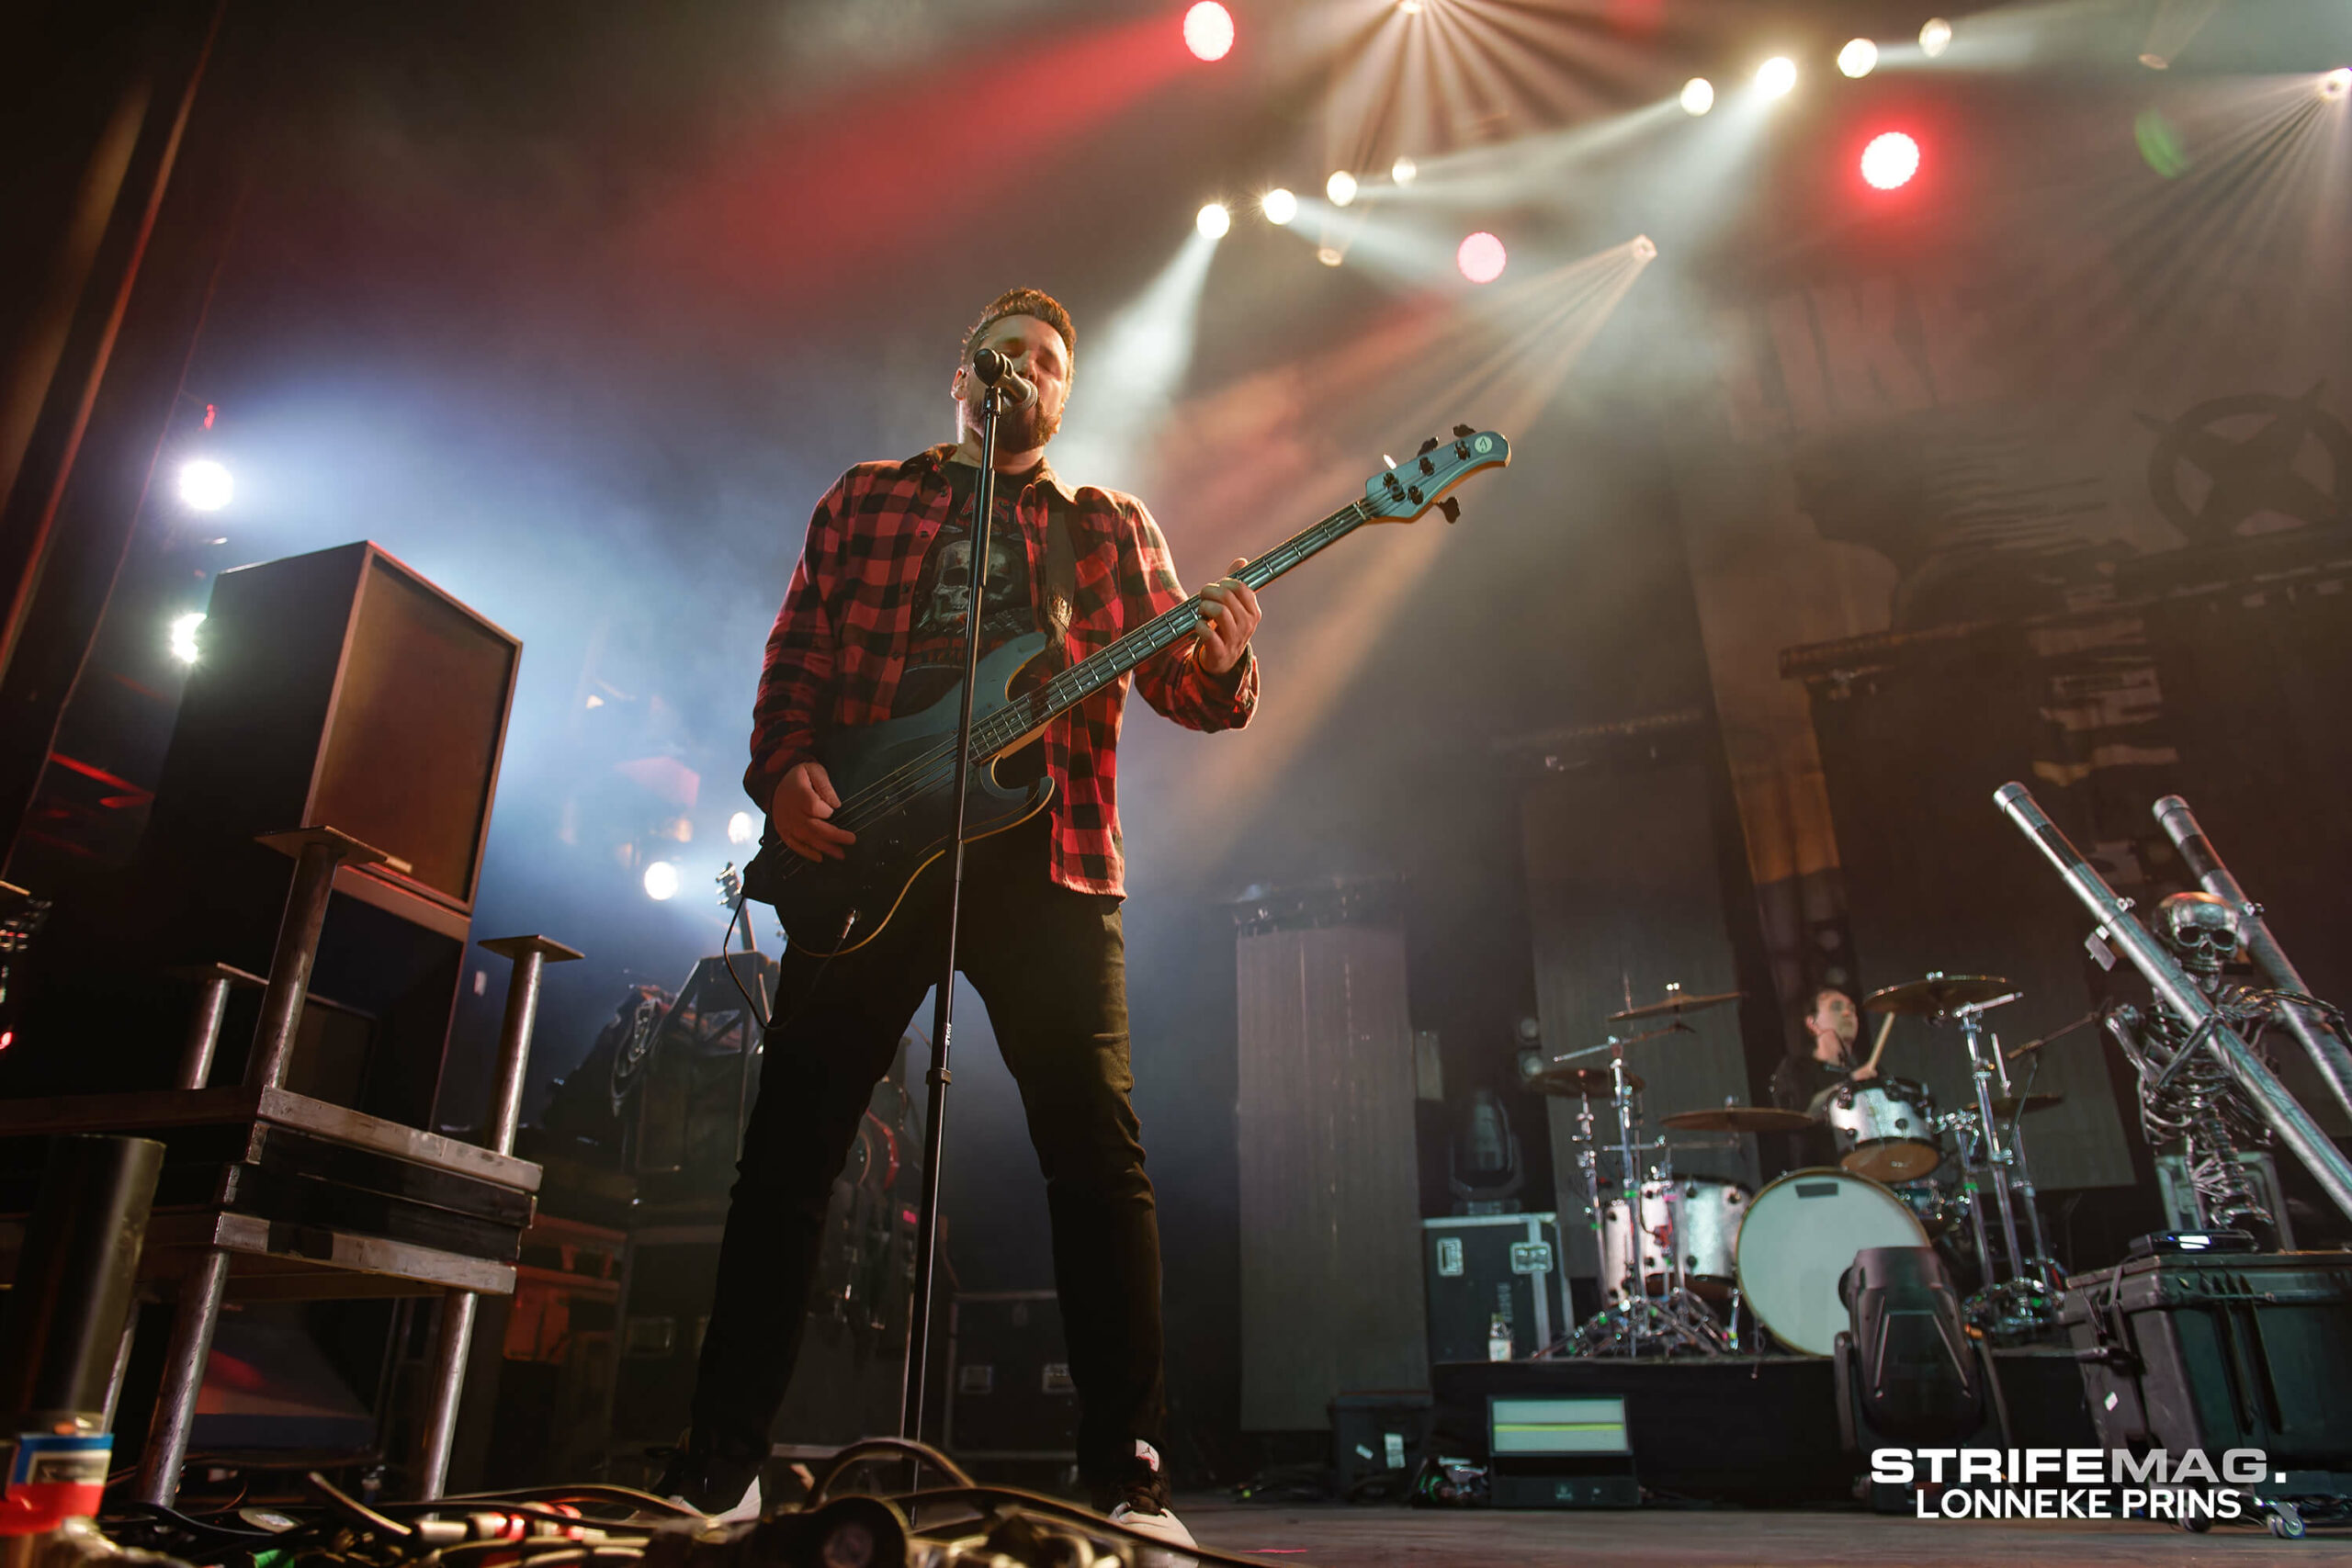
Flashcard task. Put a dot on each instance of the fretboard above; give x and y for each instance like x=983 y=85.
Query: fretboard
x=1030 y=712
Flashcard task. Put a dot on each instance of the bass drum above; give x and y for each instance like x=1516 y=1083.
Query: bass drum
x=1800 y=1236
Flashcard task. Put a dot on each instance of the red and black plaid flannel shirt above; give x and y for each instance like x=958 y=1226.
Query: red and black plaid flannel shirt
x=838 y=646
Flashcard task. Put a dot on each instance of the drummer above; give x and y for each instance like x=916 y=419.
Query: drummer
x=1832 y=1024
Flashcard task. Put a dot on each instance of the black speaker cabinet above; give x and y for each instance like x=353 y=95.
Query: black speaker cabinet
x=336 y=689
x=342 y=689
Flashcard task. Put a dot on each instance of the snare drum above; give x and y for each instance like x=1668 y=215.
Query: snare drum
x=1885 y=1129
x=1800 y=1236
x=1704 y=1215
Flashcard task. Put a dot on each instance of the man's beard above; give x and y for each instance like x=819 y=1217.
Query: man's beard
x=1023 y=429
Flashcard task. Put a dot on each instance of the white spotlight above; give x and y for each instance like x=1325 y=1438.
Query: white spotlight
x=1410 y=7
x=1859 y=58
x=1935 y=38
x=1329 y=256
x=1278 y=205
x=740 y=828
x=1776 y=76
x=2155 y=62
x=1340 y=187
x=1214 y=220
x=1644 y=248
x=1403 y=170
x=2336 y=85
x=1697 y=95
x=182 y=638
x=661 y=881
x=205 y=485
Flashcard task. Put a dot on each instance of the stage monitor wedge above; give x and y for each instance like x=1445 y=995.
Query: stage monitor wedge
x=341 y=688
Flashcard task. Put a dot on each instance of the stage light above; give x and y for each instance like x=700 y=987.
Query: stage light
x=1481 y=257
x=1340 y=187
x=1214 y=220
x=2154 y=61
x=205 y=485
x=1890 y=160
x=2336 y=85
x=1403 y=170
x=182 y=637
x=1279 y=206
x=1329 y=256
x=1776 y=76
x=1697 y=95
x=1208 y=30
x=1644 y=248
x=661 y=881
x=740 y=828
x=1859 y=58
x=1935 y=37
x=1410 y=7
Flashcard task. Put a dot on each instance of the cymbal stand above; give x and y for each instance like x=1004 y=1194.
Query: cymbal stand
x=2016 y=1306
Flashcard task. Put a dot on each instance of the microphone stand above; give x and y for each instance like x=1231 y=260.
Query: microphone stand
x=943 y=1012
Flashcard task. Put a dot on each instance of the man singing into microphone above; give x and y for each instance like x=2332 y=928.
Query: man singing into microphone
x=873 y=626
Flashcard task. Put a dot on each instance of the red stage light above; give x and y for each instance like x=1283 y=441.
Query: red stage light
x=1208 y=30
x=1481 y=257
x=1890 y=160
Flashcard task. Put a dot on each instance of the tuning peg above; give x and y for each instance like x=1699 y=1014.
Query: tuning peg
x=1452 y=508
x=1428 y=446
x=1463 y=430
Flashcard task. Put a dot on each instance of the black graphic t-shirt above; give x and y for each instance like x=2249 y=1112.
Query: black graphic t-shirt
x=944 y=591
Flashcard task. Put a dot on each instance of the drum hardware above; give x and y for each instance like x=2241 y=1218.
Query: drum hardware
x=1581 y=1083
x=1740 y=1119
x=2023 y=1305
x=2010 y=1107
x=1652 y=1234
x=1886 y=1129
x=1797 y=1240
x=2055 y=1035
x=1674 y=1005
x=1940 y=994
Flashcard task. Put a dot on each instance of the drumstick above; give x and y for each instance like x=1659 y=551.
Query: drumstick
x=1885 y=1028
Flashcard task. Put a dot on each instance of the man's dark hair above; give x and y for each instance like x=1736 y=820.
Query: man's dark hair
x=1802 y=1044
x=1024 y=303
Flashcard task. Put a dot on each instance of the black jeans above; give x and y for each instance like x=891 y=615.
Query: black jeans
x=1051 y=965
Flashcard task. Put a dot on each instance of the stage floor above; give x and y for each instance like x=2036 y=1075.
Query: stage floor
x=1336 y=1537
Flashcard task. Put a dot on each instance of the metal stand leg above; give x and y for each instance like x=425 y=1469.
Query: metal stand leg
x=530 y=957
x=213 y=983
x=192 y=1325
x=318 y=852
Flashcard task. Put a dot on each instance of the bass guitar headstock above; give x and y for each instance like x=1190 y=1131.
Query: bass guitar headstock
x=1401 y=493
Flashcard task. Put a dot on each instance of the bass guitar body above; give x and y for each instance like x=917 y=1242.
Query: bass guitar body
x=835 y=906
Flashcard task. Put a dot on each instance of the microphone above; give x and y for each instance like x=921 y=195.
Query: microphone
x=995 y=370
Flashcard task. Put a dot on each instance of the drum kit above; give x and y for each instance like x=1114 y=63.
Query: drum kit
x=1681 y=1255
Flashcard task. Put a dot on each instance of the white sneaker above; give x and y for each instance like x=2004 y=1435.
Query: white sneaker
x=1162 y=1526
x=746 y=1507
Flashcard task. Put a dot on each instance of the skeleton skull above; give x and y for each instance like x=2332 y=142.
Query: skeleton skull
x=2202 y=929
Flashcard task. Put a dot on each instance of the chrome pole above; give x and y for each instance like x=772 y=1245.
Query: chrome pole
x=453 y=1343
x=2172 y=983
x=2324 y=1046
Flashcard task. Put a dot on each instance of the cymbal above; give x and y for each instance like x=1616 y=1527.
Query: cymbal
x=1589 y=1083
x=1737 y=1119
x=1675 y=1005
x=2010 y=1105
x=1937 y=993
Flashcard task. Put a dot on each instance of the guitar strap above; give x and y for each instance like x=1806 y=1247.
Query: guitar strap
x=1060 y=597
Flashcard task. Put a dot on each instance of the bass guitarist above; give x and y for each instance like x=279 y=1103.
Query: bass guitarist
x=873 y=626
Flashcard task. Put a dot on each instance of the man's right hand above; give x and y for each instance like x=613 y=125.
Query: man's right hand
x=803 y=802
